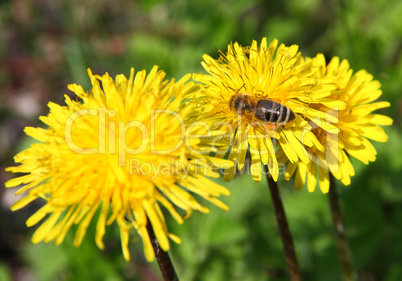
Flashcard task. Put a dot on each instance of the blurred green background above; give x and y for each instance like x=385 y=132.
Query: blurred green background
x=47 y=44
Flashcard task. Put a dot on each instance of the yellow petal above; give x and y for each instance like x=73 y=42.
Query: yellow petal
x=82 y=229
x=23 y=202
x=311 y=176
x=101 y=226
x=156 y=225
x=124 y=237
x=301 y=174
x=38 y=216
x=45 y=228
x=290 y=170
x=323 y=178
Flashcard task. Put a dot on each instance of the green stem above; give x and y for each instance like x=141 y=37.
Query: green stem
x=283 y=226
x=165 y=264
x=345 y=257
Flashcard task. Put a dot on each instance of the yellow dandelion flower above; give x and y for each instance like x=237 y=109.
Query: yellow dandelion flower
x=357 y=124
x=121 y=148
x=259 y=94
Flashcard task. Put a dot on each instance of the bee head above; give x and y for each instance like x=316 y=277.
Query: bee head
x=241 y=103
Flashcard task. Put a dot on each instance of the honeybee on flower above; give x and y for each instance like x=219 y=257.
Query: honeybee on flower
x=261 y=97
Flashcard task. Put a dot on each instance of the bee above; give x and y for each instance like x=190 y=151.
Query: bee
x=267 y=110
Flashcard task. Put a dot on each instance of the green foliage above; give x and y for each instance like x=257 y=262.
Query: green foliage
x=60 y=39
x=4 y=273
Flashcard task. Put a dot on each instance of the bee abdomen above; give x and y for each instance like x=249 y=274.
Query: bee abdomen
x=273 y=112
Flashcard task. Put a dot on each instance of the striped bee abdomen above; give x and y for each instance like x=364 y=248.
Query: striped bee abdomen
x=273 y=112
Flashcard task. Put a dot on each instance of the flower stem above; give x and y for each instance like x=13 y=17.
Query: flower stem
x=165 y=264
x=344 y=252
x=286 y=236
